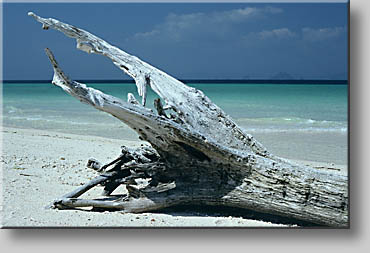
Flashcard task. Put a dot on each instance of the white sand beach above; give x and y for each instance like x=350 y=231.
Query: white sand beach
x=40 y=166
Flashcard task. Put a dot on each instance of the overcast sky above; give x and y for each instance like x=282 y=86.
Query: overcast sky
x=188 y=41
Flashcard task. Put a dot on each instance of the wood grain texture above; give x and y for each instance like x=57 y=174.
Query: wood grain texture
x=198 y=154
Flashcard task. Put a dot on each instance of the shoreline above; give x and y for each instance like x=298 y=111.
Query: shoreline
x=326 y=147
x=40 y=166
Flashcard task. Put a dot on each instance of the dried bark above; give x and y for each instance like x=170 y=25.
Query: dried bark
x=198 y=155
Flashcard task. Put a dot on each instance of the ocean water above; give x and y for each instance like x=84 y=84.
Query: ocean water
x=264 y=110
x=256 y=107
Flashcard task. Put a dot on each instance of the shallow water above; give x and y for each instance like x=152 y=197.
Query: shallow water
x=273 y=112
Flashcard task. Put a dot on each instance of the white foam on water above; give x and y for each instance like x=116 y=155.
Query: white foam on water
x=343 y=130
x=276 y=125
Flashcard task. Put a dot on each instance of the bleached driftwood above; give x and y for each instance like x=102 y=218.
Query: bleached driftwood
x=198 y=155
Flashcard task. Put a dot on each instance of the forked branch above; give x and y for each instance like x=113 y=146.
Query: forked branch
x=198 y=155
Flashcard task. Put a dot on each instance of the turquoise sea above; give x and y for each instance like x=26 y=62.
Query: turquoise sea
x=264 y=110
x=256 y=107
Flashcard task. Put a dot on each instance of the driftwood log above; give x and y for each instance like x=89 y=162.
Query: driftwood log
x=197 y=154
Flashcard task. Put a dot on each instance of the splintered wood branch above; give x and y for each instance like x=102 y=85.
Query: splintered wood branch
x=191 y=104
x=198 y=155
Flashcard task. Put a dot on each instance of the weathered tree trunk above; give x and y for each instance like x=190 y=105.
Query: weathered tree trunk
x=198 y=155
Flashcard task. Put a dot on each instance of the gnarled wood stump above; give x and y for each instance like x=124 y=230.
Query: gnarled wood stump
x=198 y=155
